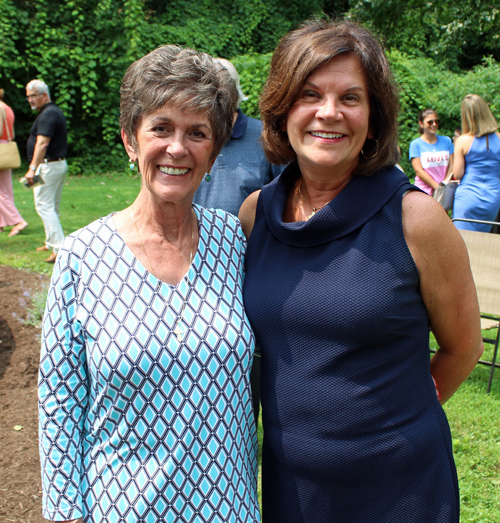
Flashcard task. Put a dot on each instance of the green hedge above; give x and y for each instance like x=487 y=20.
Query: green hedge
x=424 y=84
x=81 y=49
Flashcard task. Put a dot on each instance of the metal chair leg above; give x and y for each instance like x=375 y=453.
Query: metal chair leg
x=495 y=351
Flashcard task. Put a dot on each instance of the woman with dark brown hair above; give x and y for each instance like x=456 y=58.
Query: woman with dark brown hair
x=347 y=268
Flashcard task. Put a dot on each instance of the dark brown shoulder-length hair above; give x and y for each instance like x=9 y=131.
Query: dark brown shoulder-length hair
x=299 y=54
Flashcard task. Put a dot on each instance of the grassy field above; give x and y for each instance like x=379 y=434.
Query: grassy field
x=474 y=420
x=84 y=199
x=473 y=415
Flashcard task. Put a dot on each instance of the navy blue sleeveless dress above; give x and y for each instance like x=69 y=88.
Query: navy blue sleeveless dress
x=353 y=432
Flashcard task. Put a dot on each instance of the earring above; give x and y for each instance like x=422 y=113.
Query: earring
x=132 y=164
x=373 y=155
x=208 y=177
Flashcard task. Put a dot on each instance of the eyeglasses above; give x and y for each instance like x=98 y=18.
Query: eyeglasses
x=432 y=122
x=29 y=97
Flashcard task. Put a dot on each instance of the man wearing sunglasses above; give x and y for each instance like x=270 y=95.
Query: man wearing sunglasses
x=47 y=149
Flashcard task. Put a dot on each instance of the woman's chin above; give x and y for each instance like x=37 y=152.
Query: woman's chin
x=330 y=166
x=162 y=193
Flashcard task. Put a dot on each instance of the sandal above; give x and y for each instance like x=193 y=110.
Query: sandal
x=18 y=228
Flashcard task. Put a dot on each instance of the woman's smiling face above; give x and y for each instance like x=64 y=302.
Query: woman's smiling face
x=174 y=149
x=329 y=122
x=430 y=123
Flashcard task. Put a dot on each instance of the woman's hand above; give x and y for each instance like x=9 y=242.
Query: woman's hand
x=447 y=290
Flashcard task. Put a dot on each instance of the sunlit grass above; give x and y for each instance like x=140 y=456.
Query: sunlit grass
x=84 y=199
x=474 y=420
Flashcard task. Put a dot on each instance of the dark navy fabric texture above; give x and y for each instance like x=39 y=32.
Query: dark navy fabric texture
x=353 y=429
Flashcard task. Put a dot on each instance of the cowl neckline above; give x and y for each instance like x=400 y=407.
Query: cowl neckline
x=358 y=201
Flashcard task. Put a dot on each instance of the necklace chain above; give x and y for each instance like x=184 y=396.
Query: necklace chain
x=178 y=329
x=314 y=209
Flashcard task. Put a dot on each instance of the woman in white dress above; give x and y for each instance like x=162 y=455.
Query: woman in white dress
x=145 y=402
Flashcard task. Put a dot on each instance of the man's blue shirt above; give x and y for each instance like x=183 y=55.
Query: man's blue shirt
x=240 y=169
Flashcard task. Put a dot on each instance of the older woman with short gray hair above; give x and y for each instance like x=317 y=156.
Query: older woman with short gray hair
x=145 y=402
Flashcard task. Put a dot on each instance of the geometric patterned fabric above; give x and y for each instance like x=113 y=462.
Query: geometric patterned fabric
x=138 y=423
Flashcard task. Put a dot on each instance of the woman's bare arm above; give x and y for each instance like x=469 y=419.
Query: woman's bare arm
x=247 y=213
x=447 y=289
x=449 y=171
x=462 y=147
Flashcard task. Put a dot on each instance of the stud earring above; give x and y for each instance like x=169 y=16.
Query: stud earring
x=208 y=177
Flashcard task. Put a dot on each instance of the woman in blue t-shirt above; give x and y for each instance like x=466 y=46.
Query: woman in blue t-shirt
x=431 y=155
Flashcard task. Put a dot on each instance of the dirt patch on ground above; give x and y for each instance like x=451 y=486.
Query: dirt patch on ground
x=20 y=482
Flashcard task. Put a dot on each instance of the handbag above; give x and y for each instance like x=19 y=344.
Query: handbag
x=445 y=193
x=9 y=153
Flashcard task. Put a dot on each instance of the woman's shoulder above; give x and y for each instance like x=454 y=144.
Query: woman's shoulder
x=226 y=223
x=426 y=225
x=247 y=213
x=417 y=142
x=463 y=143
x=79 y=241
x=94 y=227
x=424 y=217
x=79 y=247
x=415 y=147
x=7 y=108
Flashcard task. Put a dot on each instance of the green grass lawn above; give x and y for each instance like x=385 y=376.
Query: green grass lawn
x=473 y=415
x=474 y=420
x=84 y=199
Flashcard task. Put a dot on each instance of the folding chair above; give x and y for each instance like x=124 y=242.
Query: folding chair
x=484 y=255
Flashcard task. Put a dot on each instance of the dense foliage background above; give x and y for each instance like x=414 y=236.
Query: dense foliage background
x=439 y=51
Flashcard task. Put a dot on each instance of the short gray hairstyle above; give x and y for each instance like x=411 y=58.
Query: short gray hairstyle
x=234 y=75
x=172 y=75
x=39 y=86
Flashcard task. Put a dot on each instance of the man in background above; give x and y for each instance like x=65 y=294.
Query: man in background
x=47 y=149
x=241 y=167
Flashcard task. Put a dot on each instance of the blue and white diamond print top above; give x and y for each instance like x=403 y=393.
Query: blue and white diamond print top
x=135 y=425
